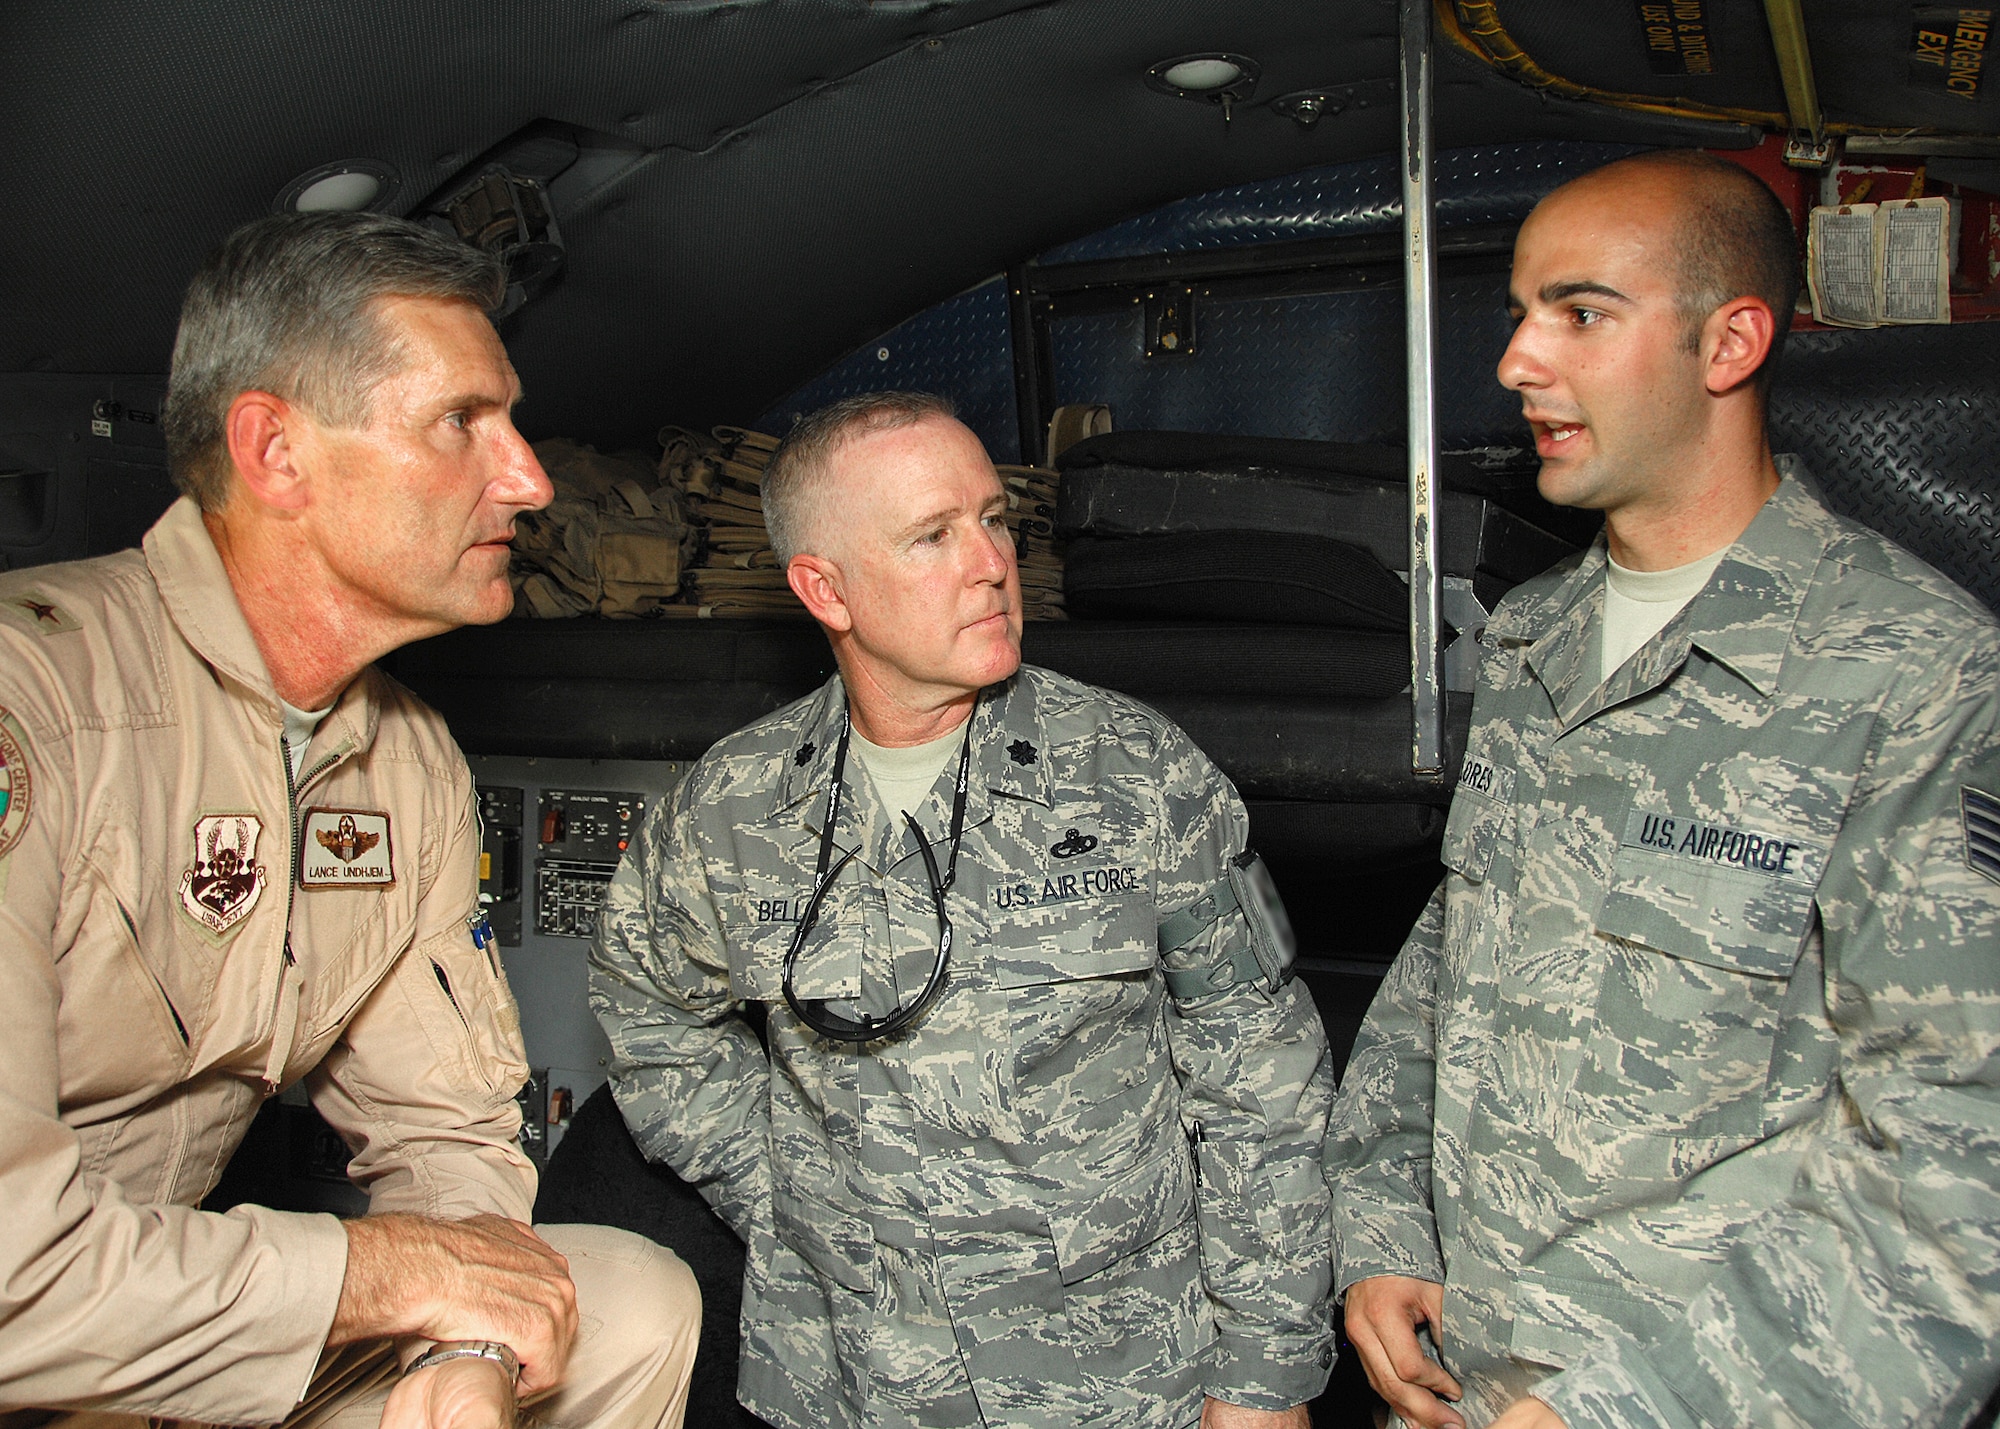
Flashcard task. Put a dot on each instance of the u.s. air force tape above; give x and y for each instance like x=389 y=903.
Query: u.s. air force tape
x=1771 y=853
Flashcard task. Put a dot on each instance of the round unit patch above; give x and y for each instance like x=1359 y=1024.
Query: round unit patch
x=16 y=783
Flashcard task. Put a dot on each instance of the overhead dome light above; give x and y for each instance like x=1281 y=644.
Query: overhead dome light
x=1203 y=74
x=1215 y=78
x=345 y=187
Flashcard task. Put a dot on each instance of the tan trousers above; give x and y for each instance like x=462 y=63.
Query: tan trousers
x=639 y=1314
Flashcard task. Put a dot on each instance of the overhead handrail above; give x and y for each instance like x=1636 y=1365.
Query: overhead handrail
x=1474 y=26
x=1419 y=332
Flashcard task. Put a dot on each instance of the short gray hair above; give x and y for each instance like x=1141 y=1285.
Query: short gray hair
x=287 y=306
x=793 y=478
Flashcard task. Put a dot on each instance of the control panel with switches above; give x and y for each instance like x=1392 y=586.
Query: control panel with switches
x=552 y=833
x=500 y=860
x=580 y=836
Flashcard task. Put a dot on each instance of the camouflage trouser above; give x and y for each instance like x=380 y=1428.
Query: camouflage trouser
x=640 y=1317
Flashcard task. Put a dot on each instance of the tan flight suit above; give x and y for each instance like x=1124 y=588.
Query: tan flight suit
x=182 y=934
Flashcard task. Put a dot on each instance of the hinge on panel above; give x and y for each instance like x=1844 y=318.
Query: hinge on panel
x=1462 y=611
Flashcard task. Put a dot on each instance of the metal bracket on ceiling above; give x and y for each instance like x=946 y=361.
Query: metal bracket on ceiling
x=1306 y=107
x=1807 y=146
x=509 y=216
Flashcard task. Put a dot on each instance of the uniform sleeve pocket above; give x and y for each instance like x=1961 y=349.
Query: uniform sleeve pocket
x=480 y=1007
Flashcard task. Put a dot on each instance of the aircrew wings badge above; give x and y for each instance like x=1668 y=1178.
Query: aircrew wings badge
x=226 y=879
x=17 y=784
x=345 y=848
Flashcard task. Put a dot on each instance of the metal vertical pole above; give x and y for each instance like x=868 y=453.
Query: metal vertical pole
x=1419 y=330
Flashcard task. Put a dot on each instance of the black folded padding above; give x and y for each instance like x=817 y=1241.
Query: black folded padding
x=1492 y=526
x=1273 y=577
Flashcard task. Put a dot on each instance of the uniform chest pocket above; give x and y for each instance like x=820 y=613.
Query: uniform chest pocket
x=1082 y=1014
x=1698 y=964
x=1478 y=827
x=829 y=963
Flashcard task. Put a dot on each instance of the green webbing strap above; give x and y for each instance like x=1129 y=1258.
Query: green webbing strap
x=1180 y=929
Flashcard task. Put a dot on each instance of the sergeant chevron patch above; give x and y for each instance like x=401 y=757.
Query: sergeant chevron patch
x=1981 y=813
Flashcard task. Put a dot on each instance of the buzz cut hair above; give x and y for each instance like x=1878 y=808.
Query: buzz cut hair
x=794 y=484
x=289 y=305
x=1736 y=240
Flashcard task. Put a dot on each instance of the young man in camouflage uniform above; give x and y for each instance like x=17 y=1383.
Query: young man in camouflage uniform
x=1681 y=1104
x=1080 y=1185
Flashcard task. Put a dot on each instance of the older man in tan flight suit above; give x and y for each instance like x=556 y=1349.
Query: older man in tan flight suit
x=233 y=855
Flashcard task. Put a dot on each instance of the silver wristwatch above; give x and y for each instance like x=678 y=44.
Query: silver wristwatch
x=495 y=1350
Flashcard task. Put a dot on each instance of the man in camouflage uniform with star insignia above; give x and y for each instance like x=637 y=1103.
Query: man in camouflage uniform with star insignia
x=1082 y=1185
x=1681 y=1105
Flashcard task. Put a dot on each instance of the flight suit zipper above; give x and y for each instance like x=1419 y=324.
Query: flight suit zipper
x=282 y=1027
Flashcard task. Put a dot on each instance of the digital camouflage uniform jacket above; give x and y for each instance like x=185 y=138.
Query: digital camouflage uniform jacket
x=994 y=1219
x=1711 y=998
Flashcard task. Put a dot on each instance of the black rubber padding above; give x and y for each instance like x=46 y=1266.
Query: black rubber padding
x=1490 y=521
x=1286 y=578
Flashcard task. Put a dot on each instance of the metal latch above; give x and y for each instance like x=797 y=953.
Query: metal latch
x=509 y=216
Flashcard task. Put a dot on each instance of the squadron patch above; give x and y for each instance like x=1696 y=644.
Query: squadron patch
x=1979 y=810
x=17 y=783
x=345 y=848
x=226 y=880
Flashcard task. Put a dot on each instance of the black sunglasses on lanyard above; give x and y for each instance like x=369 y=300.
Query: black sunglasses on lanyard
x=812 y=1011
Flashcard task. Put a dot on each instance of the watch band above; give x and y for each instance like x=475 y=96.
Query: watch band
x=499 y=1352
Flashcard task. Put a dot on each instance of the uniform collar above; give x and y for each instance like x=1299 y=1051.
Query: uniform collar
x=202 y=604
x=1009 y=761
x=1742 y=618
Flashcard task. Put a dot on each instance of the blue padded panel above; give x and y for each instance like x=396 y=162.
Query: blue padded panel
x=1490 y=184
x=1326 y=368
x=960 y=347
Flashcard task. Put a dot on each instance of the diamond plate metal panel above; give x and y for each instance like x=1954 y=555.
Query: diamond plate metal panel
x=1900 y=425
x=1490 y=184
x=1327 y=368
x=961 y=348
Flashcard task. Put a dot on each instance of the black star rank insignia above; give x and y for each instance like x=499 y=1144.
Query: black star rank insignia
x=1022 y=752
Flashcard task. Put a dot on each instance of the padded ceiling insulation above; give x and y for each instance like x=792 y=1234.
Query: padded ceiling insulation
x=775 y=181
